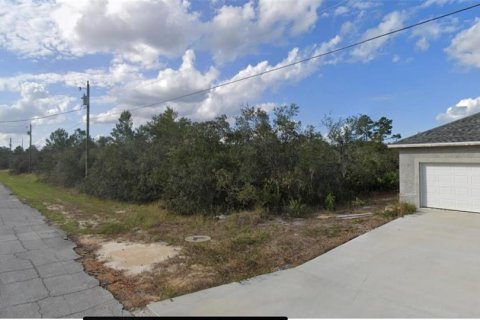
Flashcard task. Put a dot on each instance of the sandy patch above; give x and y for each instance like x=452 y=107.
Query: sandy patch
x=54 y=207
x=135 y=258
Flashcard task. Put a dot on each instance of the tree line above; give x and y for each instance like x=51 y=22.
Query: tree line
x=259 y=160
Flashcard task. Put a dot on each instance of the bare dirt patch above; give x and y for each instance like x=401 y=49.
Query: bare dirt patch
x=242 y=245
x=135 y=258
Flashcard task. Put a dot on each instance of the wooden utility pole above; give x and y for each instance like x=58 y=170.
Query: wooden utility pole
x=10 y=144
x=30 y=150
x=86 y=103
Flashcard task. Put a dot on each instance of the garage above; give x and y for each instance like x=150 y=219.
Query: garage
x=450 y=186
x=440 y=167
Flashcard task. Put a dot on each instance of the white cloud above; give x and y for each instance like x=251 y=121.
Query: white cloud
x=347 y=27
x=463 y=108
x=340 y=10
x=432 y=31
x=144 y=31
x=27 y=29
x=138 y=31
x=429 y=3
x=103 y=78
x=396 y=58
x=368 y=51
x=228 y=99
x=237 y=30
x=422 y=44
x=465 y=46
x=35 y=101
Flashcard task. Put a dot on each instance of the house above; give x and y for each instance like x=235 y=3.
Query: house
x=440 y=168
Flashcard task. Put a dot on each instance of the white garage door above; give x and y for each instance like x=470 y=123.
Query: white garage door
x=450 y=186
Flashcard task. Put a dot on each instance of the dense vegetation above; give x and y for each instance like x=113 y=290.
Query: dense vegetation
x=215 y=166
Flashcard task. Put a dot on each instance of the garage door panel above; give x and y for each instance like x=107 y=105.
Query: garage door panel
x=461 y=180
x=450 y=186
x=445 y=180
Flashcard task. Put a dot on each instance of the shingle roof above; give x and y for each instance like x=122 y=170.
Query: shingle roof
x=463 y=130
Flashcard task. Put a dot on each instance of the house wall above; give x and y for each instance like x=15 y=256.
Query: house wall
x=411 y=158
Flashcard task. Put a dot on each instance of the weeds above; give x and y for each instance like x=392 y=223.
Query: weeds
x=330 y=202
x=243 y=245
x=358 y=203
x=399 y=209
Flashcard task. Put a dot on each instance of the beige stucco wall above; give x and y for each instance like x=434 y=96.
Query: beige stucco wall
x=411 y=158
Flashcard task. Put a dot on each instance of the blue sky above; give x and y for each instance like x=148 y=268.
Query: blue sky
x=138 y=52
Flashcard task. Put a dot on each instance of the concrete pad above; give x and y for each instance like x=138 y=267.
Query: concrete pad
x=424 y=265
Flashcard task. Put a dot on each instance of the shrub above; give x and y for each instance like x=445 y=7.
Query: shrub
x=330 y=202
x=399 y=209
x=296 y=208
x=357 y=203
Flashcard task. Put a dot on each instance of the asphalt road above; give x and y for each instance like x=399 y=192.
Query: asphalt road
x=39 y=274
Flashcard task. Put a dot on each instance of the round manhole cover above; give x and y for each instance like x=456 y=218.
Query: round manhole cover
x=197 y=238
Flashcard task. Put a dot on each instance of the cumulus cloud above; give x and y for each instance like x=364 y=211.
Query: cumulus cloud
x=236 y=30
x=143 y=31
x=35 y=101
x=103 y=78
x=227 y=99
x=26 y=28
x=138 y=31
x=463 y=108
x=368 y=51
x=465 y=46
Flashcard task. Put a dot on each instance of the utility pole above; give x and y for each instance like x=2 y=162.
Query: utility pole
x=86 y=103
x=10 y=144
x=30 y=150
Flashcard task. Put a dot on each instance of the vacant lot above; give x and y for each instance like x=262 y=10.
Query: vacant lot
x=164 y=265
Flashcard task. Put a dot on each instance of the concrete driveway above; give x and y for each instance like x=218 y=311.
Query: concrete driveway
x=39 y=274
x=423 y=265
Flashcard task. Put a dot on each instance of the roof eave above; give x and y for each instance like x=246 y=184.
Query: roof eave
x=432 y=145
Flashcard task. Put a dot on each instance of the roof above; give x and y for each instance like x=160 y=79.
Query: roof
x=465 y=131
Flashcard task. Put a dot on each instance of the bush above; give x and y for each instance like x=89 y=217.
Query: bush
x=330 y=202
x=399 y=209
x=358 y=203
x=296 y=208
x=266 y=160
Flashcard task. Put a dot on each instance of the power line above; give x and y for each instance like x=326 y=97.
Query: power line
x=278 y=68
x=306 y=59
x=41 y=117
x=333 y=6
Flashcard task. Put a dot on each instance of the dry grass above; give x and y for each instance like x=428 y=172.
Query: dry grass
x=243 y=244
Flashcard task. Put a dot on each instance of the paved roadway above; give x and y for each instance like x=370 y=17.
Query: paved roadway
x=426 y=265
x=39 y=272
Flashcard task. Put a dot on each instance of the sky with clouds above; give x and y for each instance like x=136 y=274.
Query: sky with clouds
x=139 y=52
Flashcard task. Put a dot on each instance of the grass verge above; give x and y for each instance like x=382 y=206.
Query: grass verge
x=243 y=245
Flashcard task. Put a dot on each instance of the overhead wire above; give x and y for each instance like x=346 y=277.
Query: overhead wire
x=317 y=56
x=41 y=117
